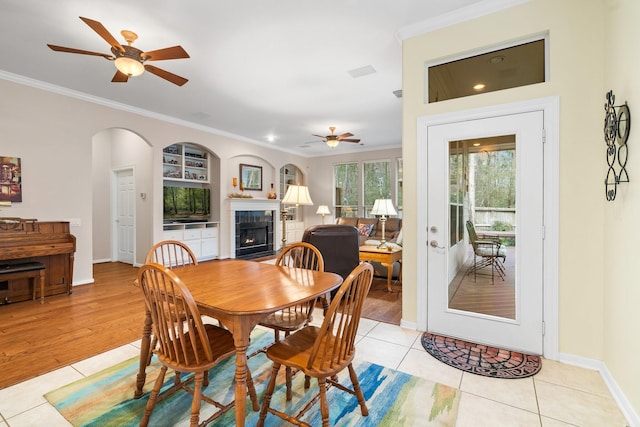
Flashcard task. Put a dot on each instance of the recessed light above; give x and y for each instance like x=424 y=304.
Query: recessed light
x=271 y=138
x=479 y=86
x=476 y=144
x=496 y=59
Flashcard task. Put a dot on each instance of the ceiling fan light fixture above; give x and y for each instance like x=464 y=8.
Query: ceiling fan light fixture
x=333 y=143
x=129 y=66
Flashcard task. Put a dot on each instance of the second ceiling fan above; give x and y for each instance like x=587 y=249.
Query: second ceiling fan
x=129 y=60
x=333 y=140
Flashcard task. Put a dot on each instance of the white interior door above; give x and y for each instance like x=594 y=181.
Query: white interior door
x=125 y=216
x=524 y=330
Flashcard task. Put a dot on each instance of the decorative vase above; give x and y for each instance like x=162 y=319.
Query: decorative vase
x=272 y=193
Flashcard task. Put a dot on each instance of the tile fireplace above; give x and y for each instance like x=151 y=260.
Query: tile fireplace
x=253 y=227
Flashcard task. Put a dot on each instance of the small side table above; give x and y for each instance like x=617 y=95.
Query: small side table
x=385 y=257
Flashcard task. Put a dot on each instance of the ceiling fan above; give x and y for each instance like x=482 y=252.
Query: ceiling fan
x=129 y=60
x=333 y=140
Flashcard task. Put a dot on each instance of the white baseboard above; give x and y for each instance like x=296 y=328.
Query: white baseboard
x=408 y=325
x=99 y=261
x=618 y=395
x=83 y=282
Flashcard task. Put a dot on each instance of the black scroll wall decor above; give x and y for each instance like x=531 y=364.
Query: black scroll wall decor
x=617 y=123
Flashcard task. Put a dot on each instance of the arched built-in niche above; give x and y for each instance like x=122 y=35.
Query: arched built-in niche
x=291 y=174
x=191 y=198
x=268 y=172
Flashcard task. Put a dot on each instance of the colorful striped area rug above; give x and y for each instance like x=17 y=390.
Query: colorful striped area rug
x=393 y=398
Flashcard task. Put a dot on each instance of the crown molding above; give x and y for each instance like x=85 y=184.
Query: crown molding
x=38 y=84
x=482 y=8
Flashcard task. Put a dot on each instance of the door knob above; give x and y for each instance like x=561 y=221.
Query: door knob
x=434 y=244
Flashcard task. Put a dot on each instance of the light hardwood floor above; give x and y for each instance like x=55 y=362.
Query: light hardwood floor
x=35 y=338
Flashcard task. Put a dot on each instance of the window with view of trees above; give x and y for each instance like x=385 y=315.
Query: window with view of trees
x=357 y=187
x=495 y=186
x=482 y=185
x=377 y=183
x=346 y=184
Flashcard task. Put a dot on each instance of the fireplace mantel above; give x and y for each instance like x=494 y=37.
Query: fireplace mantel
x=240 y=204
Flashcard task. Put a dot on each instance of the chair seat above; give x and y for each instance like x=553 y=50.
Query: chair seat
x=221 y=342
x=490 y=250
x=286 y=320
x=295 y=351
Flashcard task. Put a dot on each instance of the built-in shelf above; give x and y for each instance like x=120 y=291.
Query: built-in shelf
x=186 y=163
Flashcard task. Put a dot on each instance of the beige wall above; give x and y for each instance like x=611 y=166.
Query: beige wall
x=597 y=298
x=54 y=136
x=69 y=148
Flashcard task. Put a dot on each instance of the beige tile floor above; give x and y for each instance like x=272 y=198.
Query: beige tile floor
x=559 y=395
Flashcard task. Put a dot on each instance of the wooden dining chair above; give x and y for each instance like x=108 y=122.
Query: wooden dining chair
x=186 y=344
x=298 y=255
x=171 y=253
x=325 y=351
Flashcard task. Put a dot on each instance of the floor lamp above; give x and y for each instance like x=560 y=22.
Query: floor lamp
x=323 y=210
x=295 y=195
x=384 y=208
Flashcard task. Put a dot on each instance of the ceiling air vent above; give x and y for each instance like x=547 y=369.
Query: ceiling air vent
x=362 y=71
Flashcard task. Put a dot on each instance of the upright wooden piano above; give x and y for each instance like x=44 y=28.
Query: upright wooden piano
x=47 y=242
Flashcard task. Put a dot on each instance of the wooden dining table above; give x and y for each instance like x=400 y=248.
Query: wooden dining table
x=239 y=294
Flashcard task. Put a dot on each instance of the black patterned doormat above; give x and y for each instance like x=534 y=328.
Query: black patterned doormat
x=481 y=359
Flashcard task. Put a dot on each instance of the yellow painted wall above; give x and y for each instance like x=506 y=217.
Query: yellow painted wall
x=621 y=296
x=576 y=31
x=593 y=47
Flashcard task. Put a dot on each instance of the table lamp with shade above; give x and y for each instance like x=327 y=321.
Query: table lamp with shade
x=323 y=210
x=384 y=208
x=295 y=195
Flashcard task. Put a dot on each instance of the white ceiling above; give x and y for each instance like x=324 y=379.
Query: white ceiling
x=256 y=67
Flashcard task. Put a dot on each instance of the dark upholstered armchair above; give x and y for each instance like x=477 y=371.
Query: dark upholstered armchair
x=338 y=245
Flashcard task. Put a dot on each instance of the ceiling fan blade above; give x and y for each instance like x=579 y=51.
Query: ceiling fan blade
x=345 y=135
x=119 y=77
x=349 y=140
x=81 y=52
x=103 y=32
x=173 y=78
x=175 y=52
x=319 y=136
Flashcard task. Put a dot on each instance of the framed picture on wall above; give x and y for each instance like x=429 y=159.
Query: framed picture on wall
x=251 y=177
x=10 y=179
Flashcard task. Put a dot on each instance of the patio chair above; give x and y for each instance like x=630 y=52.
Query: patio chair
x=486 y=253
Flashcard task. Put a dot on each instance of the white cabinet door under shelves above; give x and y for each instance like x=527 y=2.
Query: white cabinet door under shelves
x=295 y=230
x=202 y=237
x=209 y=243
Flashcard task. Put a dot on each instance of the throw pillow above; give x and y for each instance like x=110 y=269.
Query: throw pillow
x=399 y=238
x=365 y=229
